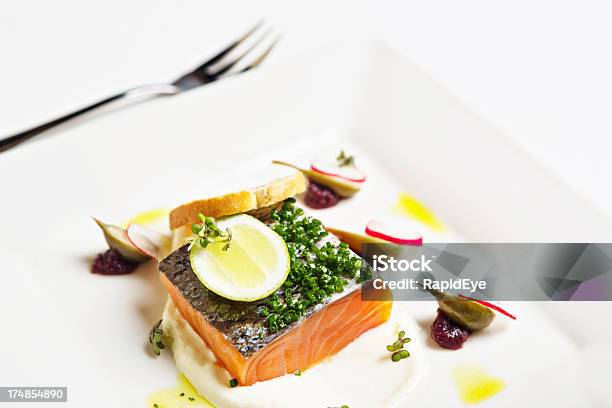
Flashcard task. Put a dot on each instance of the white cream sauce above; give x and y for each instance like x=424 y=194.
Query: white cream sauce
x=360 y=375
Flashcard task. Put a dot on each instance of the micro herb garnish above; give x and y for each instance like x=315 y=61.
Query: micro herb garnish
x=318 y=270
x=207 y=232
x=157 y=338
x=344 y=160
x=233 y=383
x=298 y=373
x=397 y=348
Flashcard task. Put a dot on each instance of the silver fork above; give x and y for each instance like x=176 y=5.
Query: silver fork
x=222 y=65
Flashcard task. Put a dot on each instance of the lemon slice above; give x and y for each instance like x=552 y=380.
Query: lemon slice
x=254 y=266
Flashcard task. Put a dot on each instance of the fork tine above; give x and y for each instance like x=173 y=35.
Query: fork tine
x=229 y=48
x=232 y=63
x=263 y=56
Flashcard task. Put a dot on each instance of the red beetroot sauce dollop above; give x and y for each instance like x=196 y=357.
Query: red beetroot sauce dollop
x=112 y=263
x=447 y=333
x=319 y=196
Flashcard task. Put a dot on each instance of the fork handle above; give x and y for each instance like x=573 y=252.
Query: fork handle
x=139 y=93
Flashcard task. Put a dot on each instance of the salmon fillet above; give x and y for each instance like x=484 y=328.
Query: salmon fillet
x=238 y=337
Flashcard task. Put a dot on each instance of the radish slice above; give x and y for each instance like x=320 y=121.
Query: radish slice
x=350 y=173
x=393 y=234
x=146 y=240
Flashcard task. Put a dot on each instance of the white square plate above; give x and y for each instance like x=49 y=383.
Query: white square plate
x=65 y=326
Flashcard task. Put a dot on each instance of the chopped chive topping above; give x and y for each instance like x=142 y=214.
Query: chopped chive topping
x=317 y=270
x=397 y=348
x=207 y=232
x=233 y=383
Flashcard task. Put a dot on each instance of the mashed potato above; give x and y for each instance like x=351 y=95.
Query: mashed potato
x=360 y=375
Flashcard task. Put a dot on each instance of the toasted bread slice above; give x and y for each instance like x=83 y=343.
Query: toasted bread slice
x=239 y=202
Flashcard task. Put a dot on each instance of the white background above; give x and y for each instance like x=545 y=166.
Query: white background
x=539 y=70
